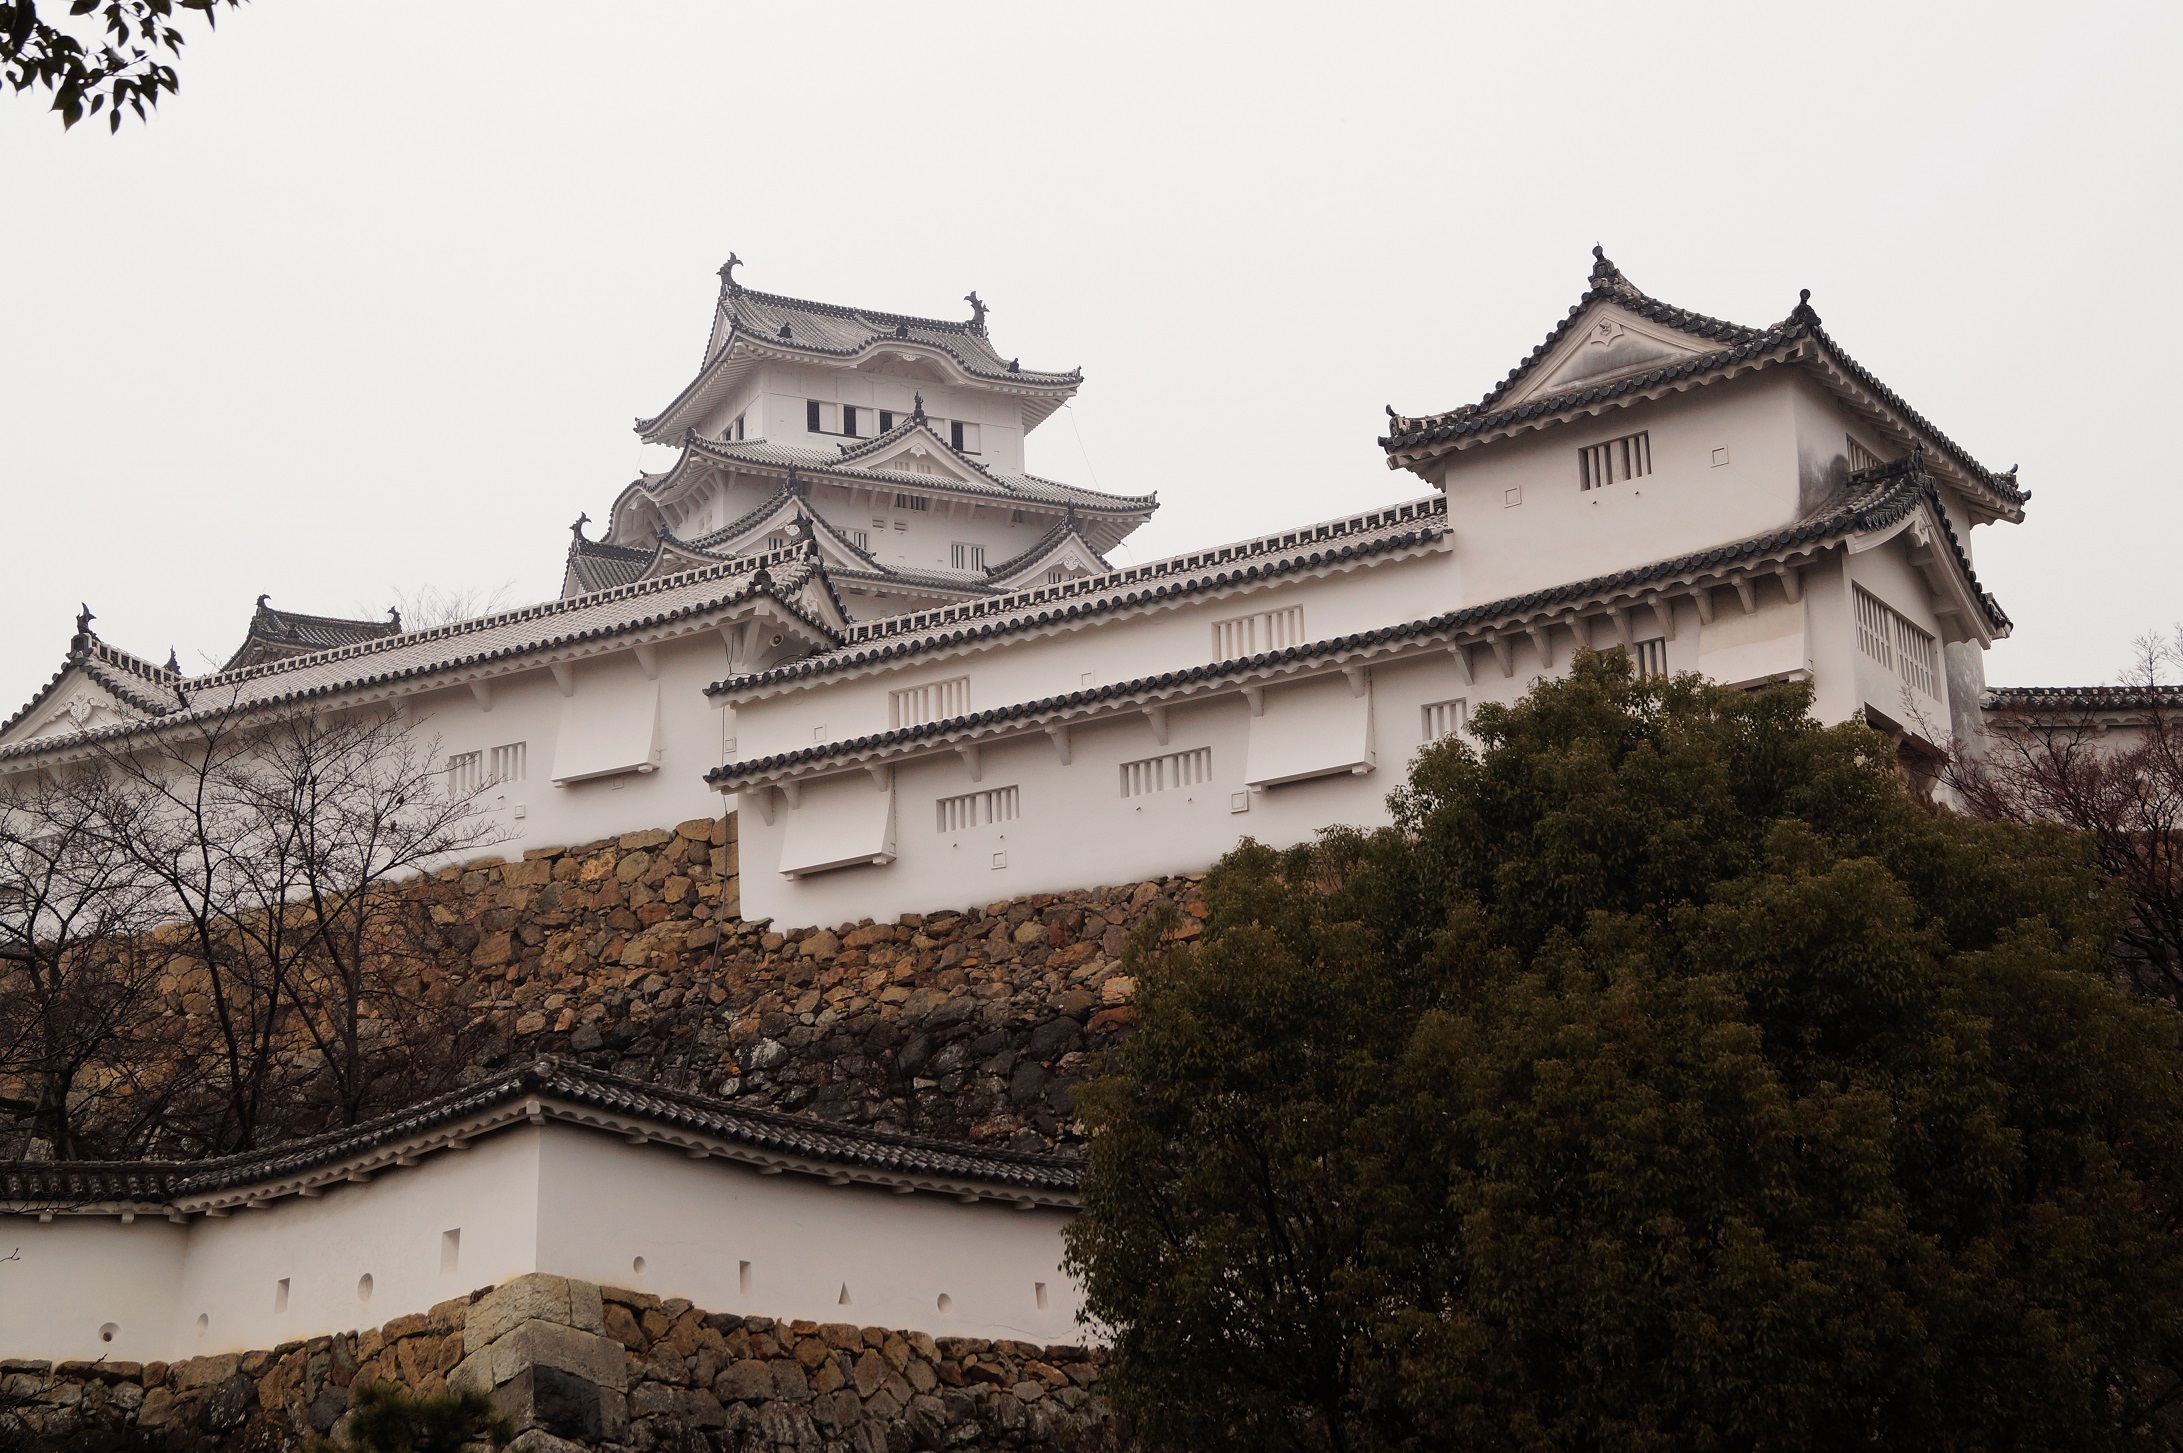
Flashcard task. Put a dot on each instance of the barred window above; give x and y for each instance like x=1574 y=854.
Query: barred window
x=977 y=809
x=912 y=502
x=1860 y=457
x=859 y=538
x=465 y=773
x=936 y=701
x=1164 y=773
x=1650 y=657
x=509 y=762
x=1629 y=457
x=1266 y=630
x=967 y=557
x=1898 y=644
x=1875 y=628
x=1444 y=719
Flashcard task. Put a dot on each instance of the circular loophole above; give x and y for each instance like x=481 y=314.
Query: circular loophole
x=106 y=1332
x=363 y=1287
x=204 y=1320
x=636 y=1265
x=946 y=1304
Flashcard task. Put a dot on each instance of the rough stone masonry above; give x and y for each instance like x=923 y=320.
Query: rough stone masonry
x=579 y=1366
x=627 y=955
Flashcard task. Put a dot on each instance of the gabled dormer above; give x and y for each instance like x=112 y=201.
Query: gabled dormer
x=1619 y=350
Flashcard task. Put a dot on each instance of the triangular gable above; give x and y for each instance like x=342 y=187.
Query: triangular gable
x=921 y=451
x=1063 y=549
x=1608 y=342
x=74 y=701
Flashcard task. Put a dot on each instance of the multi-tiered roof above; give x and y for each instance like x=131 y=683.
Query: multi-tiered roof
x=660 y=522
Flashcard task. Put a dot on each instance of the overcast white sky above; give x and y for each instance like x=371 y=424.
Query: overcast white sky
x=372 y=304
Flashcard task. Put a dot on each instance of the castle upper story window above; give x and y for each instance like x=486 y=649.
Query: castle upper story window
x=912 y=502
x=966 y=557
x=850 y=421
x=734 y=431
x=1629 y=457
x=965 y=437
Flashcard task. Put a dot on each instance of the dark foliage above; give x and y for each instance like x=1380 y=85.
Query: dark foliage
x=110 y=62
x=1666 y=1078
x=384 y=1419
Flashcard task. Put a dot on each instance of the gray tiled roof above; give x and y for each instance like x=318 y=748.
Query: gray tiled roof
x=276 y=633
x=1026 y=489
x=1414 y=522
x=841 y=332
x=1411 y=439
x=161 y=1182
x=505 y=635
x=1876 y=499
x=2061 y=699
x=750 y=325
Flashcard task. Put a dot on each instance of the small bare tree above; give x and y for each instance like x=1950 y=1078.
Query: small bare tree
x=369 y=808
x=428 y=605
x=276 y=849
x=2110 y=765
x=80 y=972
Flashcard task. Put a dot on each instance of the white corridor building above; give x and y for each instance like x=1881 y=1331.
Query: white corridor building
x=910 y=668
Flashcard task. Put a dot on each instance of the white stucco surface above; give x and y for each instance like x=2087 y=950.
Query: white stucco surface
x=554 y=1198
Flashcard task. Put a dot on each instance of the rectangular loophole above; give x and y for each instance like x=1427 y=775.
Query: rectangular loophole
x=280 y=1296
x=450 y=1250
x=742 y=1277
x=1165 y=773
x=1038 y=1289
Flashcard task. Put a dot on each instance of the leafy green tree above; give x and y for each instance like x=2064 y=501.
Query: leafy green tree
x=385 y=1419
x=112 y=65
x=1665 y=1078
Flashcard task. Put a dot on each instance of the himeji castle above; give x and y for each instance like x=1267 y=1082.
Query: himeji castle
x=848 y=615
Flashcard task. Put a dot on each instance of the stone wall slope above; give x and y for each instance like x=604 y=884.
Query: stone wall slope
x=581 y=1366
x=628 y=955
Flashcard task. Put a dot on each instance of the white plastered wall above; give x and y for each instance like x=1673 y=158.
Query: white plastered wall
x=152 y=1281
x=555 y=1198
x=1559 y=532
x=529 y=707
x=695 y=1223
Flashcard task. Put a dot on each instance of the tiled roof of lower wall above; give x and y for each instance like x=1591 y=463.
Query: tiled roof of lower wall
x=63 y=1183
x=2060 y=699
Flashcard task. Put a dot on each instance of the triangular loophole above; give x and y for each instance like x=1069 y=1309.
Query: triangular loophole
x=844 y=1301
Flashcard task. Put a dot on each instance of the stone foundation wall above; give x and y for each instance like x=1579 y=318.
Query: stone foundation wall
x=627 y=955
x=582 y=1366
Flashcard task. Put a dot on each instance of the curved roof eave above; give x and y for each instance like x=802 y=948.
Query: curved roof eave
x=1414 y=441
x=552 y=1089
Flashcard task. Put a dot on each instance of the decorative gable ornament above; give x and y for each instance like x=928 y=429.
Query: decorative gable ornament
x=1612 y=344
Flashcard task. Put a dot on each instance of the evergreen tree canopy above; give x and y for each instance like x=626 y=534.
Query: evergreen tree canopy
x=1667 y=1077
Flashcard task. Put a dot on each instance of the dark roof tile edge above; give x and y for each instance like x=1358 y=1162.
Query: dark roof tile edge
x=1852 y=516
x=65 y=1182
x=355 y=683
x=886 y=647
